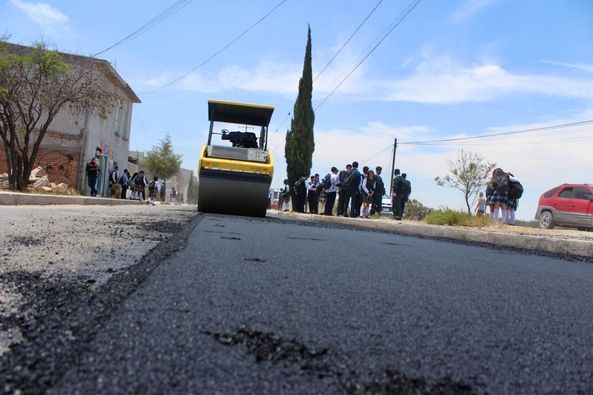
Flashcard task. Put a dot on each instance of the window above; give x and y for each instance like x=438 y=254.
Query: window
x=567 y=193
x=580 y=193
x=550 y=192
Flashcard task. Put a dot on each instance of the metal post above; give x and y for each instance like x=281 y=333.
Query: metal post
x=392 y=167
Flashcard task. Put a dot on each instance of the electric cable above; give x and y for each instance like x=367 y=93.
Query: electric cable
x=396 y=23
x=348 y=40
x=244 y=32
x=161 y=17
x=550 y=127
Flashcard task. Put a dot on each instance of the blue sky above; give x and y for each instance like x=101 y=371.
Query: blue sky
x=450 y=69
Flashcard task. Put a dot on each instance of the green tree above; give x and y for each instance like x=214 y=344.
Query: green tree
x=300 y=142
x=35 y=85
x=470 y=173
x=161 y=161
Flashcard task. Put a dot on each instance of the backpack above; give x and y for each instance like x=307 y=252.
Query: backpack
x=406 y=188
x=327 y=181
x=515 y=189
x=349 y=180
x=152 y=185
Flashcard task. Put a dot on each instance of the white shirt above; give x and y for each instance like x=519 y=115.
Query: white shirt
x=333 y=178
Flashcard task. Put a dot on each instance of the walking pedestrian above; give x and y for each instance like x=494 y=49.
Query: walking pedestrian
x=92 y=172
x=152 y=191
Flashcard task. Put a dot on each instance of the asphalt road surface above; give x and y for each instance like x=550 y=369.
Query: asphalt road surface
x=264 y=306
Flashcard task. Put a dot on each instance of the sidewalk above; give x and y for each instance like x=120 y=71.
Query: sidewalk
x=563 y=242
x=8 y=198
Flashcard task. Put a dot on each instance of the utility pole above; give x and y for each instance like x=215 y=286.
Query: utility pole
x=392 y=167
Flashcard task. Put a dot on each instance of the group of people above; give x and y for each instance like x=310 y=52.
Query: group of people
x=125 y=186
x=358 y=194
x=503 y=192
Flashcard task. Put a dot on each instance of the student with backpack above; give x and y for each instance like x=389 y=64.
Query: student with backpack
x=397 y=195
x=379 y=192
x=351 y=186
x=341 y=190
x=152 y=191
x=515 y=193
x=406 y=191
x=312 y=197
x=329 y=186
x=499 y=197
x=368 y=189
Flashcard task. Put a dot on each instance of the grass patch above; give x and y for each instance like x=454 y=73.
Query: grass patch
x=450 y=217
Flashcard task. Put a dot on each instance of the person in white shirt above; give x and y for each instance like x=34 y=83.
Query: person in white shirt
x=330 y=193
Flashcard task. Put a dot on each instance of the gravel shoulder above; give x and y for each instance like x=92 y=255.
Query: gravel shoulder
x=563 y=243
x=64 y=270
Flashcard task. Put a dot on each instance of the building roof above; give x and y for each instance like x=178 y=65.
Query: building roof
x=102 y=64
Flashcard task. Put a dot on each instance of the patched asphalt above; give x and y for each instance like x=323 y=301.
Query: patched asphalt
x=260 y=306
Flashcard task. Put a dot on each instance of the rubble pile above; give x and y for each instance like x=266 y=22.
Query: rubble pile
x=4 y=180
x=39 y=181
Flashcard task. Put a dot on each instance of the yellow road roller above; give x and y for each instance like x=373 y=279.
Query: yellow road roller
x=235 y=169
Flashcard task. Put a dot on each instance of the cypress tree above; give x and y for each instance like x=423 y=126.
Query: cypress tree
x=300 y=142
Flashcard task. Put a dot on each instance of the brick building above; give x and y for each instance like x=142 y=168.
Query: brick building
x=73 y=139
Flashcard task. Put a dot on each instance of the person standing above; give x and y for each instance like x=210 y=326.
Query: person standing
x=368 y=189
x=379 y=192
x=163 y=191
x=152 y=191
x=481 y=206
x=330 y=193
x=92 y=172
x=397 y=195
x=342 y=190
x=124 y=182
x=353 y=180
x=312 y=197
x=407 y=190
x=300 y=191
x=284 y=197
x=499 y=184
x=114 y=186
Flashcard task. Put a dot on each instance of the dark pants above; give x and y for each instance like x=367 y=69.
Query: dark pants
x=330 y=199
x=92 y=180
x=313 y=202
x=352 y=198
x=124 y=189
x=397 y=206
x=377 y=206
x=300 y=202
x=341 y=198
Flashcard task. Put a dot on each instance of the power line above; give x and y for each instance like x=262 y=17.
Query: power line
x=347 y=41
x=161 y=17
x=395 y=23
x=550 y=127
x=244 y=32
x=281 y=123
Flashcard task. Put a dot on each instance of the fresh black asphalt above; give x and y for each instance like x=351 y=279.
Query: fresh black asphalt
x=260 y=306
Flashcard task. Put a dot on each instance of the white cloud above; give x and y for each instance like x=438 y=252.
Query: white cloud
x=441 y=80
x=579 y=66
x=434 y=80
x=470 y=8
x=49 y=18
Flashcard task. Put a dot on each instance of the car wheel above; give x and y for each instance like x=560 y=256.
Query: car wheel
x=546 y=220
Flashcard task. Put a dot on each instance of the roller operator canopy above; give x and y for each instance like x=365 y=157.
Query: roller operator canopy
x=241 y=113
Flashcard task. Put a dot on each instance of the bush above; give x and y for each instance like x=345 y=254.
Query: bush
x=415 y=210
x=446 y=216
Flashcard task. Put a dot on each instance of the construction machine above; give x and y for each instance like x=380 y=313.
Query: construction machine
x=235 y=179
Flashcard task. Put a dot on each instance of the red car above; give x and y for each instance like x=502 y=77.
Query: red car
x=566 y=205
